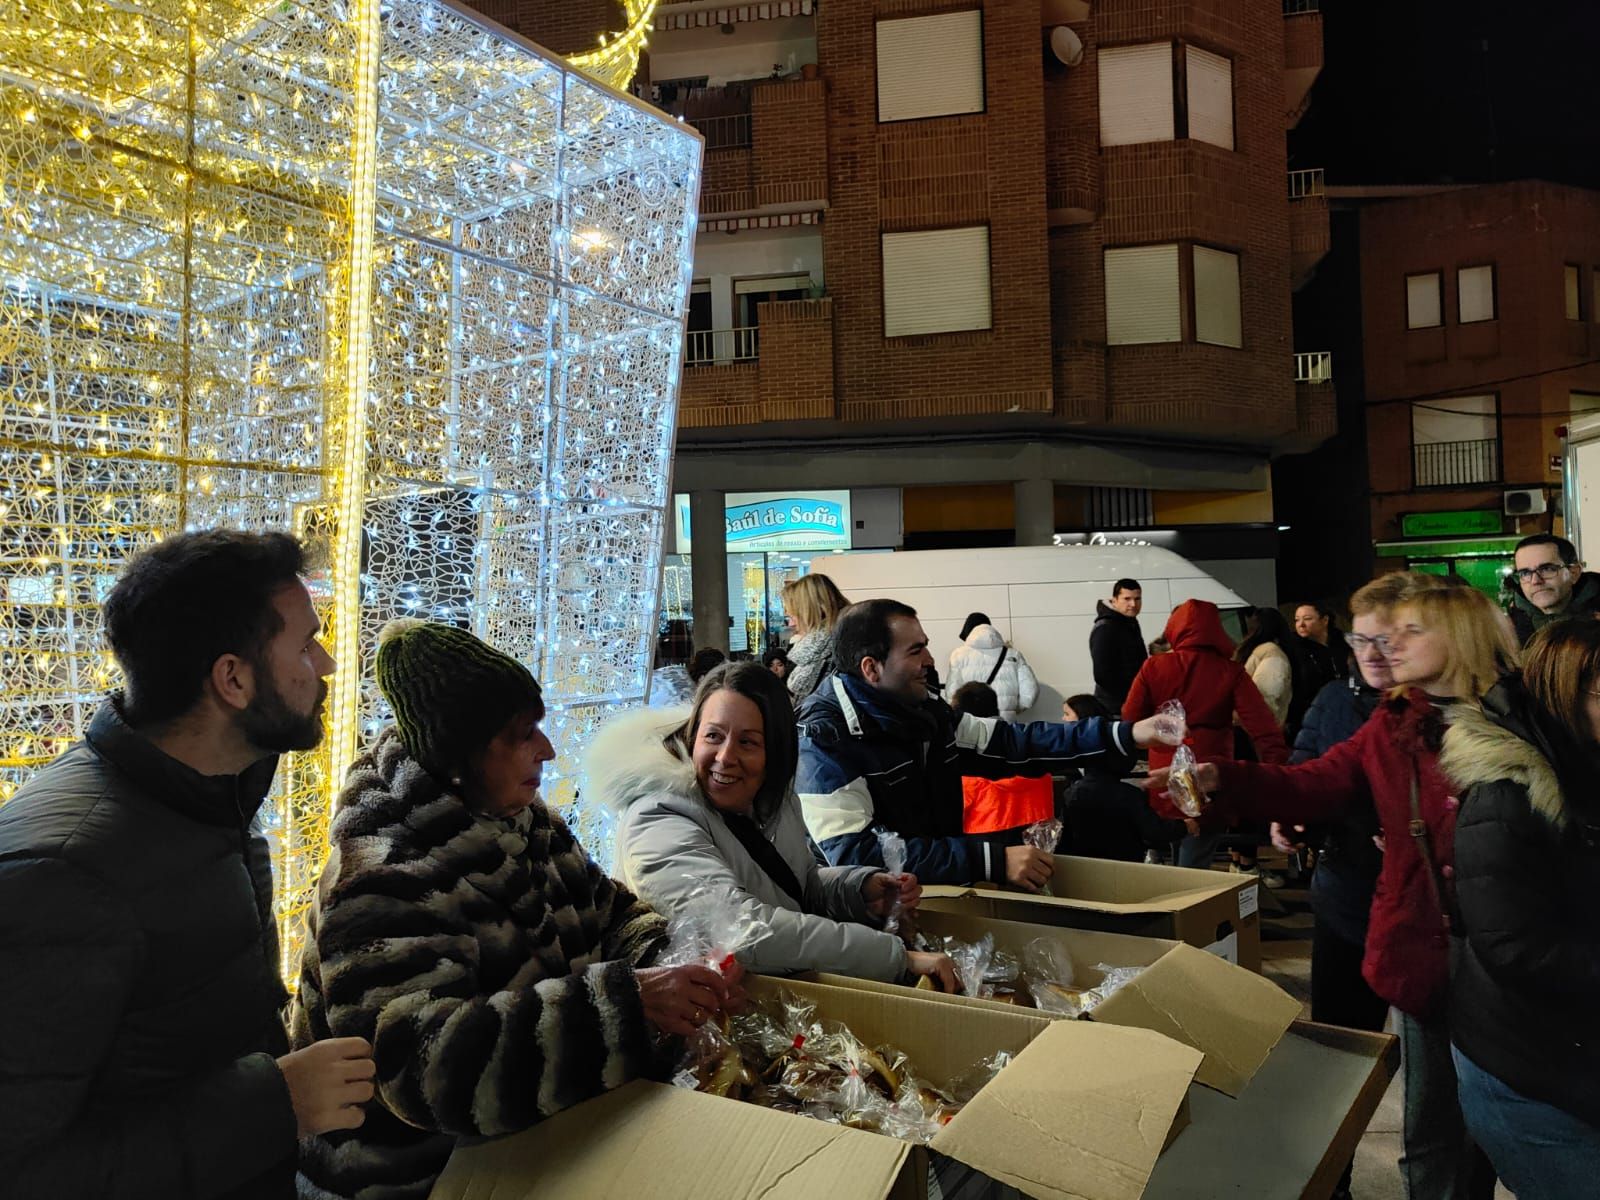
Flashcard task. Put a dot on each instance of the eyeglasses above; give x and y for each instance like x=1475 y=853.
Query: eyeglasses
x=1384 y=643
x=1542 y=571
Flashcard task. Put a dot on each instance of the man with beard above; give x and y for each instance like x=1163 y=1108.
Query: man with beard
x=143 y=1049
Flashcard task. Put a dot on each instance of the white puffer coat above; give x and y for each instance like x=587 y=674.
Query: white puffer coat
x=670 y=841
x=973 y=662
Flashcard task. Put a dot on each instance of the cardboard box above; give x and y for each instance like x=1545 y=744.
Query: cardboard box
x=1207 y=909
x=1232 y=1016
x=1081 y=1113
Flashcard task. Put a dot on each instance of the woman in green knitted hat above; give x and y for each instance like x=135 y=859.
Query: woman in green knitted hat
x=458 y=926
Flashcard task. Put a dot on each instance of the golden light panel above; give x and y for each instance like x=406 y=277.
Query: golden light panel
x=379 y=273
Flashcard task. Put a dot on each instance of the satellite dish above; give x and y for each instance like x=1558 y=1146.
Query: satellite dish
x=1066 y=45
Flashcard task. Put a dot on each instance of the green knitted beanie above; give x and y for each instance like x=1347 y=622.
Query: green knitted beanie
x=451 y=693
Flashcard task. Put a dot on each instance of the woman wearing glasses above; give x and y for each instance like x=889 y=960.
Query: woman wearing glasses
x=1526 y=985
x=1447 y=644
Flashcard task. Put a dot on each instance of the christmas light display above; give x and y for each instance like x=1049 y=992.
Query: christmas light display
x=379 y=273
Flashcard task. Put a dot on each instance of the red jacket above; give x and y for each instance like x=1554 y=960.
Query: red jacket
x=1407 y=958
x=994 y=805
x=1200 y=671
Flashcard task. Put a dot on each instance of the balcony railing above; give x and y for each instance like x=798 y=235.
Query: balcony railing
x=728 y=132
x=1448 y=464
x=1315 y=367
x=1292 y=7
x=1305 y=183
x=709 y=347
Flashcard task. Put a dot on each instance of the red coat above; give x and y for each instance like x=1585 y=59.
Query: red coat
x=994 y=805
x=1200 y=671
x=1407 y=958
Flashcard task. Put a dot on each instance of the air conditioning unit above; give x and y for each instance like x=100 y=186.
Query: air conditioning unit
x=1524 y=502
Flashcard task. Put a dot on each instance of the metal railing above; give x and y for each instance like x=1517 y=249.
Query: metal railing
x=728 y=132
x=1315 y=367
x=1447 y=464
x=1305 y=183
x=1293 y=7
x=709 y=347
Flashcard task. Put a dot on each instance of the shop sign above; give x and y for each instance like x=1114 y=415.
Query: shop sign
x=778 y=521
x=1451 y=524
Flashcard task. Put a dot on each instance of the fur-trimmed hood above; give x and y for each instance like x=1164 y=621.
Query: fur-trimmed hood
x=627 y=760
x=1477 y=750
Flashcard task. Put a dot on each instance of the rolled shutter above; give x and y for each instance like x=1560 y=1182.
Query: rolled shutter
x=1216 y=297
x=936 y=281
x=930 y=66
x=1142 y=302
x=1210 y=97
x=1136 y=94
x=1475 y=294
x=1422 y=301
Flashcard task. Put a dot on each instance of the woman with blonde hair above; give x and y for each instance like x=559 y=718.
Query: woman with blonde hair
x=811 y=604
x=1526 y=983
x=1447 y=646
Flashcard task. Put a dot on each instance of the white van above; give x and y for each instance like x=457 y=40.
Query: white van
x=1040 y=598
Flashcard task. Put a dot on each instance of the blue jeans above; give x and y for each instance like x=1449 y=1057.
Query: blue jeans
x=1541 y=1152
x=1197 y=850
x=1439 y=1160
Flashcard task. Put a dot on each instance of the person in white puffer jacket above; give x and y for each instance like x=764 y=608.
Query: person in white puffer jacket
x=976 y=659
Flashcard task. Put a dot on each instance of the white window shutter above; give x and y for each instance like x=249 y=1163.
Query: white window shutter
x=1422 y=301
x=1136 y=94
x=1210 y=97
x=930 y=66
x=1475 y=294
x=1216 y=297
x=936 y=281
x=1142 y=301
x=1458 y=419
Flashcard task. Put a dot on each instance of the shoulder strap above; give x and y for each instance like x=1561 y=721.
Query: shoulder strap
x=766 y=855
x=998 y=663
x=1419 y=836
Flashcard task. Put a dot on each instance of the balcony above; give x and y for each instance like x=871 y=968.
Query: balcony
x=1310 y=237
x=1302 y=55
x=1455 y=464
x=780 y=369
x=1315 y=403
x=1315 y=367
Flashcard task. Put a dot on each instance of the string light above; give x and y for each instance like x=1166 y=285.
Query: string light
x=369 y=271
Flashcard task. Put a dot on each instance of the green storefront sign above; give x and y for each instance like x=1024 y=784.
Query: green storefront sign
x=1450 y=524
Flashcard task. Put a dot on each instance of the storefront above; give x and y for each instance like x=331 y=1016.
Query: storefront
x=1468 y=544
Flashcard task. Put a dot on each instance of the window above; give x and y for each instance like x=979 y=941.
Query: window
x=1216 y=297
x=1142 y=295
x=1475 y=294
x=1423 y=301
x=930 y=66
x=1455 y=441
x=1574 y=305
x=699 y=348
x=1210 y=96
x=1136 y=95
x=936 y=281
x=750 y=294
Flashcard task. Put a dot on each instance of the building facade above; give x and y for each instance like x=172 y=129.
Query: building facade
x=1480 y=308
x=1027 y=266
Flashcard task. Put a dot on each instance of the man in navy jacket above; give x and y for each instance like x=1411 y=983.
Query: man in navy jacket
x=878 y=753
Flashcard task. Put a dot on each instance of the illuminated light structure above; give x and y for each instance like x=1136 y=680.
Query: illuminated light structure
x=378 y=273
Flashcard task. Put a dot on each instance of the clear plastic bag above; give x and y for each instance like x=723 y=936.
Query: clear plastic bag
x=1043 y=835
x=893 y=847
x=1172 y=722
x=972 y=960
x=1115 y=978
x=1181 y=785
x=711 y=926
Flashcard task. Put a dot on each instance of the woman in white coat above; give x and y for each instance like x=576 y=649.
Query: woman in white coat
x=706 y=797
x=984 y=657
x=1266 y=660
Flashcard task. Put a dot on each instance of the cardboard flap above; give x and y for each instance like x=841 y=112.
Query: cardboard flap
x=668 y=1143
x=1077 y=1115
x=1233 y=1016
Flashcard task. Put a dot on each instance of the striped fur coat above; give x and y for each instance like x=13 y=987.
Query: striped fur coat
x=490 y=962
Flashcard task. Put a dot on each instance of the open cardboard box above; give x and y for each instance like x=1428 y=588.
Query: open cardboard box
x=1280 y=1129
x=1081 y=1113
x=1232 y=1016
x=1207 y=909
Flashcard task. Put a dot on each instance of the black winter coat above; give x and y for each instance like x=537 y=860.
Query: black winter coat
x=1349 y=861
x=139 y=990
x=1525 y=986
x=1116 y=647
x=1107 y=818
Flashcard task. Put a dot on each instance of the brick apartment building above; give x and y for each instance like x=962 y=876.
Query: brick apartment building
x=1022 y=268
x=1480 y=308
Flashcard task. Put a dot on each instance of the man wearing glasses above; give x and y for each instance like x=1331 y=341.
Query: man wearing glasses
x=1552 y=585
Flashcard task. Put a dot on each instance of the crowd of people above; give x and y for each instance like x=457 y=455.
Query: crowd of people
x=469 y=969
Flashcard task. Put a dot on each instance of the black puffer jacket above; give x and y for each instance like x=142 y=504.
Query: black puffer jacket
x=1526 y=981
x=1117 y=650
x=139 y=991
